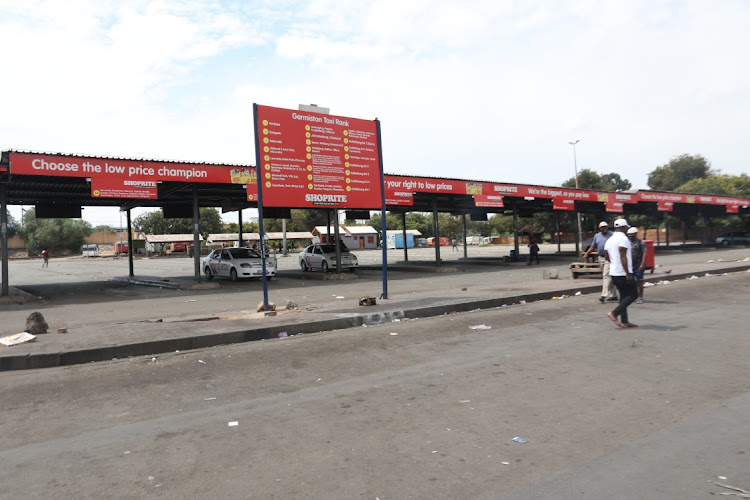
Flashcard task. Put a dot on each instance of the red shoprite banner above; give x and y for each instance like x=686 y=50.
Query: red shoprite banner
x=127 y=189
x=312 y=160
x=111 y=168
x=488 y=200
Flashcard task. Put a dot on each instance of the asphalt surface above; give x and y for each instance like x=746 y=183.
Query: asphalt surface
x=657 y=411
x=106 y=318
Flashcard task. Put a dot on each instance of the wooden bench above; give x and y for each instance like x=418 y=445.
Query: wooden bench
x=585 y=270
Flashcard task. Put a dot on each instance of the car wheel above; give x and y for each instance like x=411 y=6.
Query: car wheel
x=233 y=274
x=724 y=242
x=208 y=273
x=303 y=265
x=324 y=266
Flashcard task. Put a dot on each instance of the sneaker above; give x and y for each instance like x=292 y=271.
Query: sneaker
x=613 y=299
x=602 y=298
x=639 y=301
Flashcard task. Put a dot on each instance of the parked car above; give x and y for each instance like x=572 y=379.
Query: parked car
x=236 y=263
x=740 y=237
x=323 y=257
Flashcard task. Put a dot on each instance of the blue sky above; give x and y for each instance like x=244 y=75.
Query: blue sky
x=486 y=90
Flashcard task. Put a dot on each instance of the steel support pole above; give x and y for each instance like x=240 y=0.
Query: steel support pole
x=336 y=239
x=239 y=231
x=196 y=236
x=403 y=225
x=130 y=243
x=4 y=237
x=515 y=230
x=463 y=217
x=436 y=230
x=283 y=235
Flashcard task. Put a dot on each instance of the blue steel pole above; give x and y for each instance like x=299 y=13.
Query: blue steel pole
x=258 y=169
x=382 y=214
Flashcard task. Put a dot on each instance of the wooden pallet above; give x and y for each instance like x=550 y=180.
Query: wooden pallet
x=585 y=270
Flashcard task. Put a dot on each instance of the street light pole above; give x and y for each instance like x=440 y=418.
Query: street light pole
x=578 y=214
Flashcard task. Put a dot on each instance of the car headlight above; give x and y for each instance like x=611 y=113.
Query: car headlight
x=246 y=265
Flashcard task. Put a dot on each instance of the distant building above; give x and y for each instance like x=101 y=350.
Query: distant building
x=354 y=237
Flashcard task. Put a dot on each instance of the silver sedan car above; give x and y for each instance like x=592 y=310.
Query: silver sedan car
x=236 y=263
x=323 y=257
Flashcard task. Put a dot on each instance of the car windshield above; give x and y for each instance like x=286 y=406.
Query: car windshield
x=244 y=253
x=328 y=248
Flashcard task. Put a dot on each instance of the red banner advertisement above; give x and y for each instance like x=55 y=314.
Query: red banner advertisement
x=733 y=209
x=103 y=187
x=614 y=207
x=488 y=200
x=314 y=160
x=664 y=206
x=563 y=204
x=112 y=168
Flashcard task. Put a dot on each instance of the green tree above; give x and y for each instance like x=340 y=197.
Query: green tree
x=678 y=171
x=722 y=184
x=155 y=223
x=12 y=225
x=247 y=227
x=588 y=179
x=421 y=222
x=392 y=222
x=303 y=219
x=54 y=235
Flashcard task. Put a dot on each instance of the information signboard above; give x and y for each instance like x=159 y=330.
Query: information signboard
x=488 y=200
x=311 y=160
x=126 y=189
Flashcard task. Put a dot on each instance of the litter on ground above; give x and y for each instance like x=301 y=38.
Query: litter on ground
x=18 y=338
x=480 y=327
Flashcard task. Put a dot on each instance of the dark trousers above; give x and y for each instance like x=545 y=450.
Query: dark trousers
x=628 y=293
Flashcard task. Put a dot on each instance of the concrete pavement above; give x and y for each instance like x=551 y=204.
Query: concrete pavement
x=101 y=329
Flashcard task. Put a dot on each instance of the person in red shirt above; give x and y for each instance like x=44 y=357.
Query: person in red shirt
x=45 y=256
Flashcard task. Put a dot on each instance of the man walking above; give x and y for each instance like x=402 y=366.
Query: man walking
x=620 y=255
x=597 y=245
x=45 y=256
x=638 y=248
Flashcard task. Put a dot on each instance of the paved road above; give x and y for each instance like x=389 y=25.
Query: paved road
x=653 y=412
x=74 y=291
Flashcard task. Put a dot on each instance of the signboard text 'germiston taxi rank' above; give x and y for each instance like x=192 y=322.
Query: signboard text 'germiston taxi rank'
x=308 y=160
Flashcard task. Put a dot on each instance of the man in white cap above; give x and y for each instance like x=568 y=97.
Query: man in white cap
x=597 y=245
x=638 y=249
x=619 y=253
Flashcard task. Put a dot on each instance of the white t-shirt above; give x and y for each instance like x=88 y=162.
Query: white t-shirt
x=612 y=247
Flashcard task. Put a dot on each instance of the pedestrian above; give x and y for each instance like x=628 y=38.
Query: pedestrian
x=533 y=250
x=638 y=248
x=597 y=245
x=45 y=256
x=455 y=244
x=620 y=255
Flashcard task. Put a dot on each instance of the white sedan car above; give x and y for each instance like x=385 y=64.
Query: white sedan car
x=323 y=257
x=236 y=263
